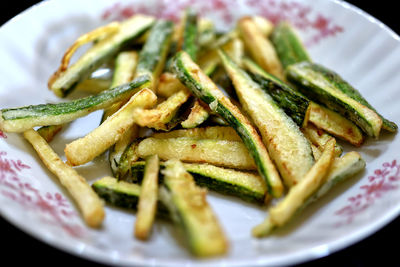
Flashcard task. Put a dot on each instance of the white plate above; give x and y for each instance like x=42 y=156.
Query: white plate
x=342 y=37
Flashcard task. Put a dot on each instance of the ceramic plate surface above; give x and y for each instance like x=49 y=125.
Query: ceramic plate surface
x=363 y=50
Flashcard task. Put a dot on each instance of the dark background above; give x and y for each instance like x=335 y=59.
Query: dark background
x=380 y=249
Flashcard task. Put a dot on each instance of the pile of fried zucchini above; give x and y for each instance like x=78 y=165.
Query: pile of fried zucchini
x=245 y=113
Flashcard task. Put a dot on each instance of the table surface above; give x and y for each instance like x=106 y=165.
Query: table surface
x=376 y=249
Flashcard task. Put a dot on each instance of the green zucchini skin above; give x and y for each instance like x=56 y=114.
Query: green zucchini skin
x=215 y=178
x=288 y=46
x=294 y=104
x=190 y=34
x=24 y=118
x=123 y=194
x=155 y=50
x=209 y=93
x=350 y=91
x=118 y=155
x=291 y=101
x=123 y=166
x=213 y=183
x=191 y=211
x=278 y=130
x=99 y=54
x=291 y=50
x=118 y=193
x=318 y=86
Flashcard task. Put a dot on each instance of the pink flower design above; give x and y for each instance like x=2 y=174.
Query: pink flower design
x=53 y=207
x=383 y=180
x=301 y=16
x=169 y=11
x=3 y=135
